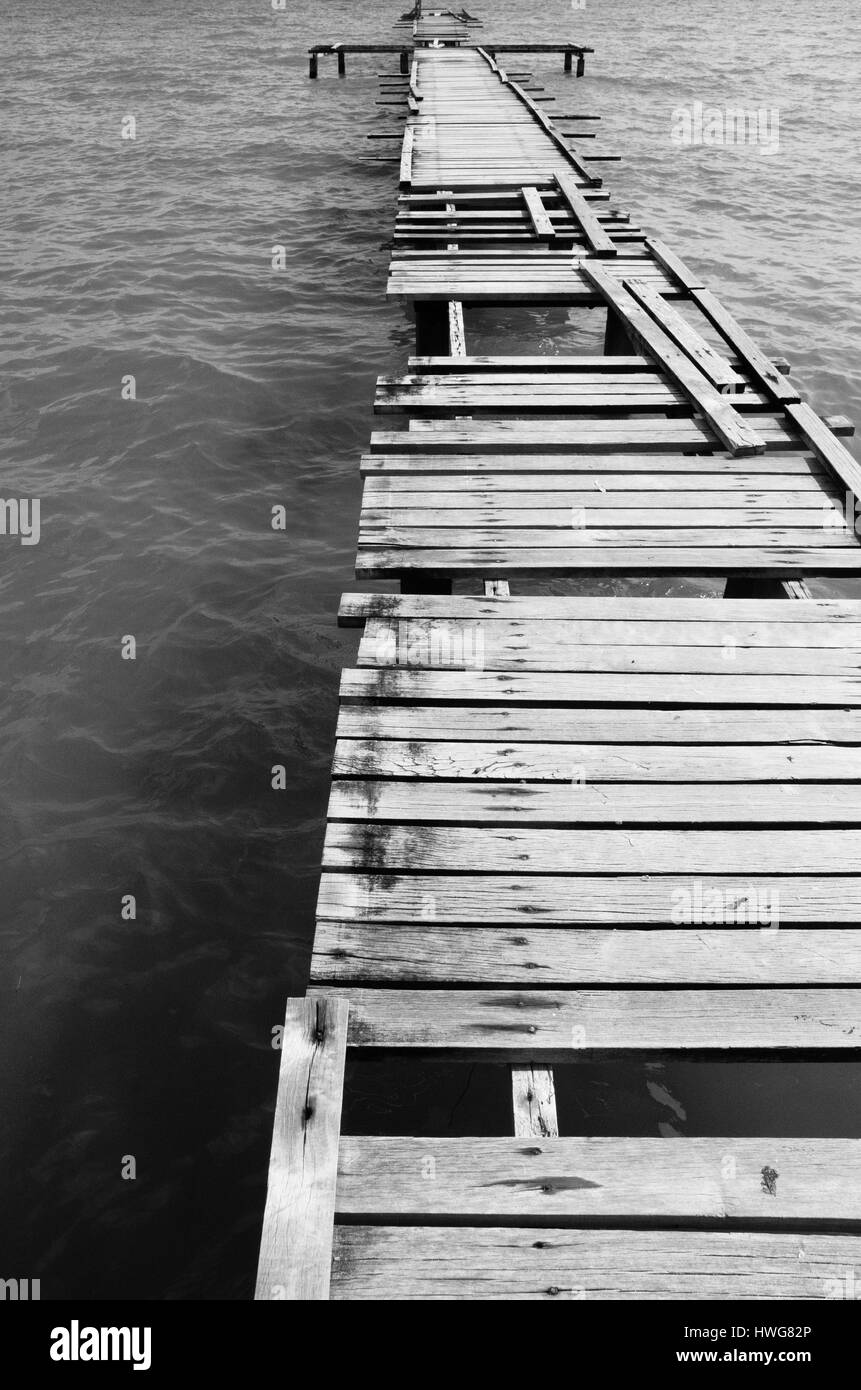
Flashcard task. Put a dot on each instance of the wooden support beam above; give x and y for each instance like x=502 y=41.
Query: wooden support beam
x=456 y=329
x=406 y=174
x=312 y=64
x=296 y=1247
x=533 y=1090
x=534 y=1102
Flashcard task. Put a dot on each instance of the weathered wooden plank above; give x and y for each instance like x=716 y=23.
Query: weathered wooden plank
x=391 y=1262
x=529 y=850
x=533 y=1099
x=541 y=224
x=431 y=954
x=482 y=541
x=382 y=521
x=597 y=238
x=555 y=1025
x=820 y=620
x=828 y=447
x=714 y=367
x=754 y=360
x=602 y=688
x=577 y=763
x=738 y=436
x=772 y=560
x=502 y=1181
x=575 y=802
x=502 y=646
x=525 y=401
x=587 y=470
x=578 y=900
x=296 y=1247
x=406 y=173
x=674 y=265
x=399 y=494
x=535 y=724
x=599 y=436
x=456 y=329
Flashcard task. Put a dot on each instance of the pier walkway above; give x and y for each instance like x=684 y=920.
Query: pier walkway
x=568 y=828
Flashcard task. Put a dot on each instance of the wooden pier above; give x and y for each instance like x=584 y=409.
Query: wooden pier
x=568 y=828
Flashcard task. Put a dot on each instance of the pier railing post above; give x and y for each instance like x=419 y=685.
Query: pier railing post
x=312 y=64
x=568 y=57
x=581 y=64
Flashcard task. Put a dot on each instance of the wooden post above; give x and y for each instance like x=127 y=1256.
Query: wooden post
x=342 y=63
x=298 y=1225
x=533 y=1096
x=405 y=60
x=312 y=65
x=581 y=64
x=568 y=57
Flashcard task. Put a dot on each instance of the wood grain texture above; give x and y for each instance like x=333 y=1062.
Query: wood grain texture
x=525 y=850
x=533 y=1102
x=505 y=1181
x=577 y=802
x=564 y=1025
x=635 y=688
x=587 y=900
x=399 y=1263
x=430 y=954
x=296 y=1247
x=533 y=724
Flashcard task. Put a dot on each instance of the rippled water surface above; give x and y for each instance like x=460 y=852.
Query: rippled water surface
x=151 y=258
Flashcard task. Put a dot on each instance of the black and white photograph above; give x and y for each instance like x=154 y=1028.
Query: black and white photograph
x=430 y=619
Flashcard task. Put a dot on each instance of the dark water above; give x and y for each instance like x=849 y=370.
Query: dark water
x=150 y=1037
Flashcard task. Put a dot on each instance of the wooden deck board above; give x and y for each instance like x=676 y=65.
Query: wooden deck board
x=390 y=1262
x=561 y=1025
x=432 y=954
x=502 y=1181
